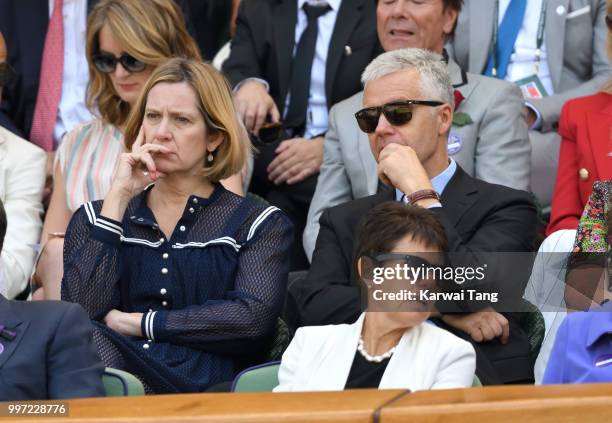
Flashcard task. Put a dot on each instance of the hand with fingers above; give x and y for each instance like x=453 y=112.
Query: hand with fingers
x=254 y=105
x=482 y=326
x=296 y=159
x=400 y=167
x=135 y=171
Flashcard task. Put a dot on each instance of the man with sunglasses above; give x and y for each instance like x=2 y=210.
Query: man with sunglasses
x=407 y=114
x=22 y=178
x=488 y=138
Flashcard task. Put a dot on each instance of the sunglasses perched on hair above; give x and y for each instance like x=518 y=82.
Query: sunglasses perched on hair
x=397 y=113
x=7 y=74
x=107 y=63
x=609 y=21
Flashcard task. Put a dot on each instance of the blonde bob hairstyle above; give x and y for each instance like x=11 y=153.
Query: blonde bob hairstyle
x=214 y=103
x=151 y=31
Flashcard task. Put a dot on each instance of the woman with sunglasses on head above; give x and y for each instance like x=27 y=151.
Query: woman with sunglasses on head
x=390 y=346
x=184 y=279
x=585 y=157
x=126 y=41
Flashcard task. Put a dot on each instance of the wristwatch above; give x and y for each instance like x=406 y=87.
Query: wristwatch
x=421 y=195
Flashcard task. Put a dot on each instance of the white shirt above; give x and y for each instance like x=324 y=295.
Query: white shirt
x=522 y=60
x=72 y=109
x=316 y=117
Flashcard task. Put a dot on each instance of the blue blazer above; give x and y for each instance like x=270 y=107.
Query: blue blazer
x=583 y=348
x=52 y=356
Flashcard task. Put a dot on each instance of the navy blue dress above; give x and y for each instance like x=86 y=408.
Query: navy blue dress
x=210 y=294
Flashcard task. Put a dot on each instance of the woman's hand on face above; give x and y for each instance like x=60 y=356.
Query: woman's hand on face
x=137 y=168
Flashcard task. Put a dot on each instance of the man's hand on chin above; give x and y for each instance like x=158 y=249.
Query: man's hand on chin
x=399 y=167
x=296 y=159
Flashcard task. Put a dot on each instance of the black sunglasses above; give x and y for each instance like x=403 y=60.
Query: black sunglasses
x=397 y=113
x=107 y=63
x=609 y=21
x=7 y=74
x=271 y=133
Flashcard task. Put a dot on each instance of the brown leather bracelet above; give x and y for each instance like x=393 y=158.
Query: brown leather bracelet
x=422 y=195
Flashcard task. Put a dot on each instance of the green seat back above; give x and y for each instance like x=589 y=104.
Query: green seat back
x=262 y=378
x=118 y=383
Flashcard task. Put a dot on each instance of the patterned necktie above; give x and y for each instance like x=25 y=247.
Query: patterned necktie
x=50 y=83
x=301 y=68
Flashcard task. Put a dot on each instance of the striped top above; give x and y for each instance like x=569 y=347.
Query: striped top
x=88 y=157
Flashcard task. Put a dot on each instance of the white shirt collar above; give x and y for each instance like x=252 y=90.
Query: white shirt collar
x=334 y=4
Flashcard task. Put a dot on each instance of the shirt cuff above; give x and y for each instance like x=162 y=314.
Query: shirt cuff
x=107 y=230
x=152 y=325
x=537 y=125
x=261 y=81
x=434 y=205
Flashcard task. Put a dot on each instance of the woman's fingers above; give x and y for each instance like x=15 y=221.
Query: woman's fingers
x=139 y=141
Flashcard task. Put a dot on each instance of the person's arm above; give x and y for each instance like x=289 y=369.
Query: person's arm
x=566 y=202
x=247 y=313
x=22 y=202
x=328 y=296
x=457 y=368
x=291 y=363
x=243 y=61
x=556 y=369
x=58 y=214
x=503 y=134
x=333 y=184
x=550 y=107
x=74 y=369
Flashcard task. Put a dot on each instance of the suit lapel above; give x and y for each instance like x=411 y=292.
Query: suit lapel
x=285 y=18
x=458 y=196
x=347 y=19
x=482 y=15
x=555 y=36
x=10 y=317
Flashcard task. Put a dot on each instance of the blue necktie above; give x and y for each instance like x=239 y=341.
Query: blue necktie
x=506 y=37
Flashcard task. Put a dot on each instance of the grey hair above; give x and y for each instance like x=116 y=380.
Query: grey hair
x=434 y=77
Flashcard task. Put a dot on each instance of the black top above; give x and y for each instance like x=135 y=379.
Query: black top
x=364 y=373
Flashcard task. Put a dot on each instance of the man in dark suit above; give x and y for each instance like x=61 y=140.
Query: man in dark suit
x=277 y=77
x=46 y=349
x=413 y=163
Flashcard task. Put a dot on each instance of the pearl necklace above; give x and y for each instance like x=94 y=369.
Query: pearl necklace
x=373 y=358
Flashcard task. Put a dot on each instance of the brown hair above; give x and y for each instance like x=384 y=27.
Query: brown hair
x=215 y=104
x=151 y=31
x=387 y=223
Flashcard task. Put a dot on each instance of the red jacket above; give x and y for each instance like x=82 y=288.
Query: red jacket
x=585 y=127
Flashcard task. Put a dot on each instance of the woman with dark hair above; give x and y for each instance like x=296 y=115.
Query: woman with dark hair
x=390 y=345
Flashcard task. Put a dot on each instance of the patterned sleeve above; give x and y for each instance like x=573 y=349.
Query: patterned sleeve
x=92 y=261
x=592 y=233
x=249 y=311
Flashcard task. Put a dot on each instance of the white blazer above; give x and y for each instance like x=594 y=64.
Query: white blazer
x=22 y=180
x=319 y=358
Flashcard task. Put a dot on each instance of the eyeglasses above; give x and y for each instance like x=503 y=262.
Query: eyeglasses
x=107 y=63
x=609 y=21
x=7 y=74
x=397 y=113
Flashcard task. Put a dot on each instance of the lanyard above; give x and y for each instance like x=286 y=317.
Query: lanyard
x=539 y=39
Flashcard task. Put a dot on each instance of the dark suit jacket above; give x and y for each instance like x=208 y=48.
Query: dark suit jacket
x=265 y=37
x=24 y=26
x=477 y=216
x=53 y=355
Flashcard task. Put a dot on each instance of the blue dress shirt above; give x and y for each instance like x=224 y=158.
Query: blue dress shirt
x=438 y=182
x=583 y=348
